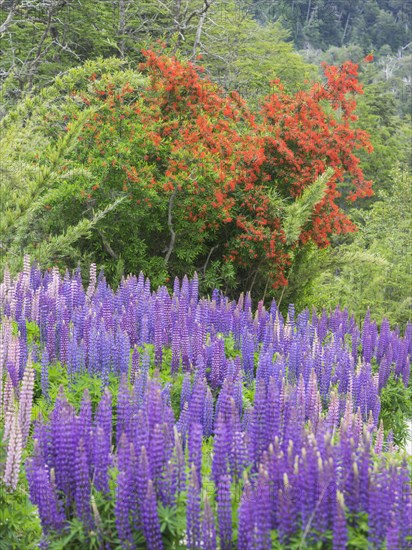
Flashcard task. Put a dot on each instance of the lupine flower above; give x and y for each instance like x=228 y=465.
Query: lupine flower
x=83 y=487
x=14 y=451
x=193 y=511
x=150 y=520
x=26 y=400
x=224 y=511
x=340 y=535
x=208 y=527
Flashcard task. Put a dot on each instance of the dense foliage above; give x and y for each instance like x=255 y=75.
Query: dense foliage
x=213 y=423
x=205 y=180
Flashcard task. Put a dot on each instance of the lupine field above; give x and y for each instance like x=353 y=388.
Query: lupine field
x=134 y=418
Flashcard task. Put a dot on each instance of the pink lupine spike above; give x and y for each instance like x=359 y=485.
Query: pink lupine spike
x=26 y=400
x=14 y=451
x=379 y=439
x=8 y=406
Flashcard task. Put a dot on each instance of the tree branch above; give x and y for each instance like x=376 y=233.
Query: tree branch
x=9 y=19
x=170 y=224
x=208 y=257
x=107 y=246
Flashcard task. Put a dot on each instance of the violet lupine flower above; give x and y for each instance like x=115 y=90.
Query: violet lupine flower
x=142 y=475
x=224 y=511
x=157 y=456
x=193 y=511
x=135 y=365
x=45 y=373
x=122 y=509
x=379 y=504
x=221 y=450
x=197 y=400
x=64 y=435
x=123 y=409
x=246 y=514
x=43 y=495
x=85 y=425
x=150 y=520
x=262 y=539
x=285 y=519
x=178 y=465
x=340 y=533
x=82 y=492
x=208 y=414
x=186 y=391
x=101 y=460
x=195 y=448
x=208 y=527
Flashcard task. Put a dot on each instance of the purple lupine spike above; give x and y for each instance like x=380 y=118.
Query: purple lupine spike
x=392 y=536
x=285 y=518
x=195 y=448
x=378 y=507
x=23 y=353
x=142 y=475
x=263 y=509
x=246 y=516
x=123 y=409
x=175 y=351
x=82 y=493
x=194 y=289
x=126 y=502
x=193 y=511
x=186 y=391
x=178 y=461
x=45 y=374
x=103 y=418
x=224 y=512
x=85 y=424
x=208 y=414
x=124 y=530
x=340 y=535
x=403 y=510
x=221 y=450
x=185 y=345
x=64 y=343
x=183 y=423
x=197 y=400
x=384 y=372
x=150 y=519
x=238 y=456
x=158 y=330
x=43 y=495
x=157 y=453
x=332 y=418
x=248 y=355
x=101 y=459
x=208 y=527
x=64 y=434
x=406 y=373
x=135 y=365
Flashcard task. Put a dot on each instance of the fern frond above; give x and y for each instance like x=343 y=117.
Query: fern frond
x=297 y=214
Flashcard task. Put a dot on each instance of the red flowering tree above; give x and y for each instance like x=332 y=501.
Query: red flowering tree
x=208 y=181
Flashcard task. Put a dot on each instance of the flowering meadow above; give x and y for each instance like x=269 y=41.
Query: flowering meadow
x=141 y=418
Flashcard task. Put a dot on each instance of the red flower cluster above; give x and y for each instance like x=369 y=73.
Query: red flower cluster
x=185 y=135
